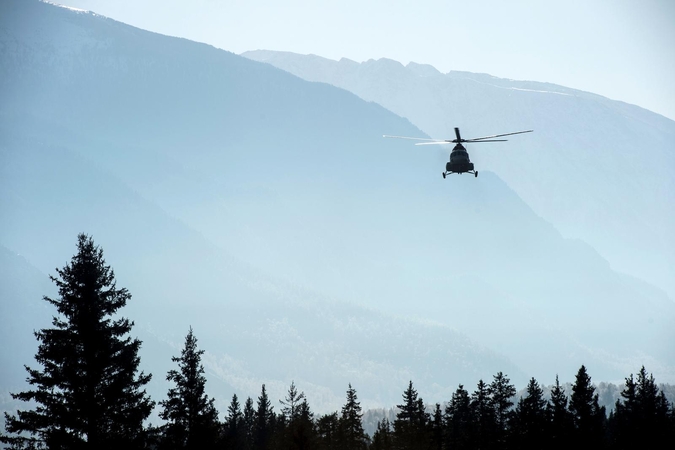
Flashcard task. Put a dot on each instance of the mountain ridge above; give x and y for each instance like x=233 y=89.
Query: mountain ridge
x=593 y=145
x=205 y=175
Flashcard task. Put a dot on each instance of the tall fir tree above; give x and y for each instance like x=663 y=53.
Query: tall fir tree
x=192 y=419
x=249 y=424
x=502 y=393
x=291 y=404
x=234 y=433
x=560 y=425
x=459 y=421
x=295 y=428
x=484 y=417
x=529 y=430
x=437 y=428
x=265 y=421
x=89 y=393
x=587 y=415
x=411 y=424
x=352 y=435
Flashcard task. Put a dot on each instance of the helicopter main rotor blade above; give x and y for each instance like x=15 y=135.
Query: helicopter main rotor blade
x=435 y=143
x=411 y=138
x=496 y=135
x=491 y=140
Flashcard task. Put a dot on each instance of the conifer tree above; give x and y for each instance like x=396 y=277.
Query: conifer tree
x=265 y=421
x=484 y=417
x=641 y=417
x=249 y=423
x=529 y=429
x=458 y=420
x=191 y=415
x=88 y=394
x=560 y=418
x=291 y=405
x=234 y=433
x=410 y=426
x=296 y=425
x=328 y=431
x=437 y=428
x=383 y=438
x=501 y=394
x=587 y=416
x=303 y=430
x=352 y=435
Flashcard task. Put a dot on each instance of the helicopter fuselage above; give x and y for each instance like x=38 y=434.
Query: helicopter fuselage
x=459 y=161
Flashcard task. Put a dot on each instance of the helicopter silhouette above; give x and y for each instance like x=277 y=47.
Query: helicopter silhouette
x=459 y=157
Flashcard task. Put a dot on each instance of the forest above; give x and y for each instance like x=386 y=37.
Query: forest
x=86 y=392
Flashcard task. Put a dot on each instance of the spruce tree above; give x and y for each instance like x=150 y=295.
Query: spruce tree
x=291 y=405
x=303 y=430
x=295 y=429
x=234 y=433
x=88 y=393
x=191 y=415
x=587 y=416
x=352 y=434
x=437 y=428
x=410 y=426
x=560 y=425
x=529 y=429
x=265 y=421
x=249 y=423
x=328 y=431
x=383 y=438
x=484 y=417
x=501 y=394
x=458 y=420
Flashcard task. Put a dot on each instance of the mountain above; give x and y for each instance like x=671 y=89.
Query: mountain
x=600 y=170
x=268 y=213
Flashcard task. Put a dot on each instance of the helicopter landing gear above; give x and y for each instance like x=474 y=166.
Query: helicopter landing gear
x=475 y=174
x=444 y=175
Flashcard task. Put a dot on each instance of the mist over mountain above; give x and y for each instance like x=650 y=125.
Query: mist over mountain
x=268 y=213
x=600 y=170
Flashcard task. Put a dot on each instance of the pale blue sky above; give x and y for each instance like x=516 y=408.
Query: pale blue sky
x=622 y=49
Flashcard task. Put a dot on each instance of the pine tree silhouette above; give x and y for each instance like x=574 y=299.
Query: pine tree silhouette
x=249 y=417
x=560 y=426
x=265 y=421
x=484 y=417
x=191 y=414
x=411 y=424
x=88 y=394
x=530 y=422
x=351 y=429
x=587 y=416
x=234 y=432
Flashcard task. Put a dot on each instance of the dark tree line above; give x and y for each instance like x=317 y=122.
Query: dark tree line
x=88 y=394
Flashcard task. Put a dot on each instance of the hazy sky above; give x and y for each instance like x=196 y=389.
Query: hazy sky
x=622 y=49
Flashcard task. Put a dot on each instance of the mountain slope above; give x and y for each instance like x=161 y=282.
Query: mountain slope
x=600 y=170
x=194 y=167
x=255 y=329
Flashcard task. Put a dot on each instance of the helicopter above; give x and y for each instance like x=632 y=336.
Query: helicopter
x=459 y=157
